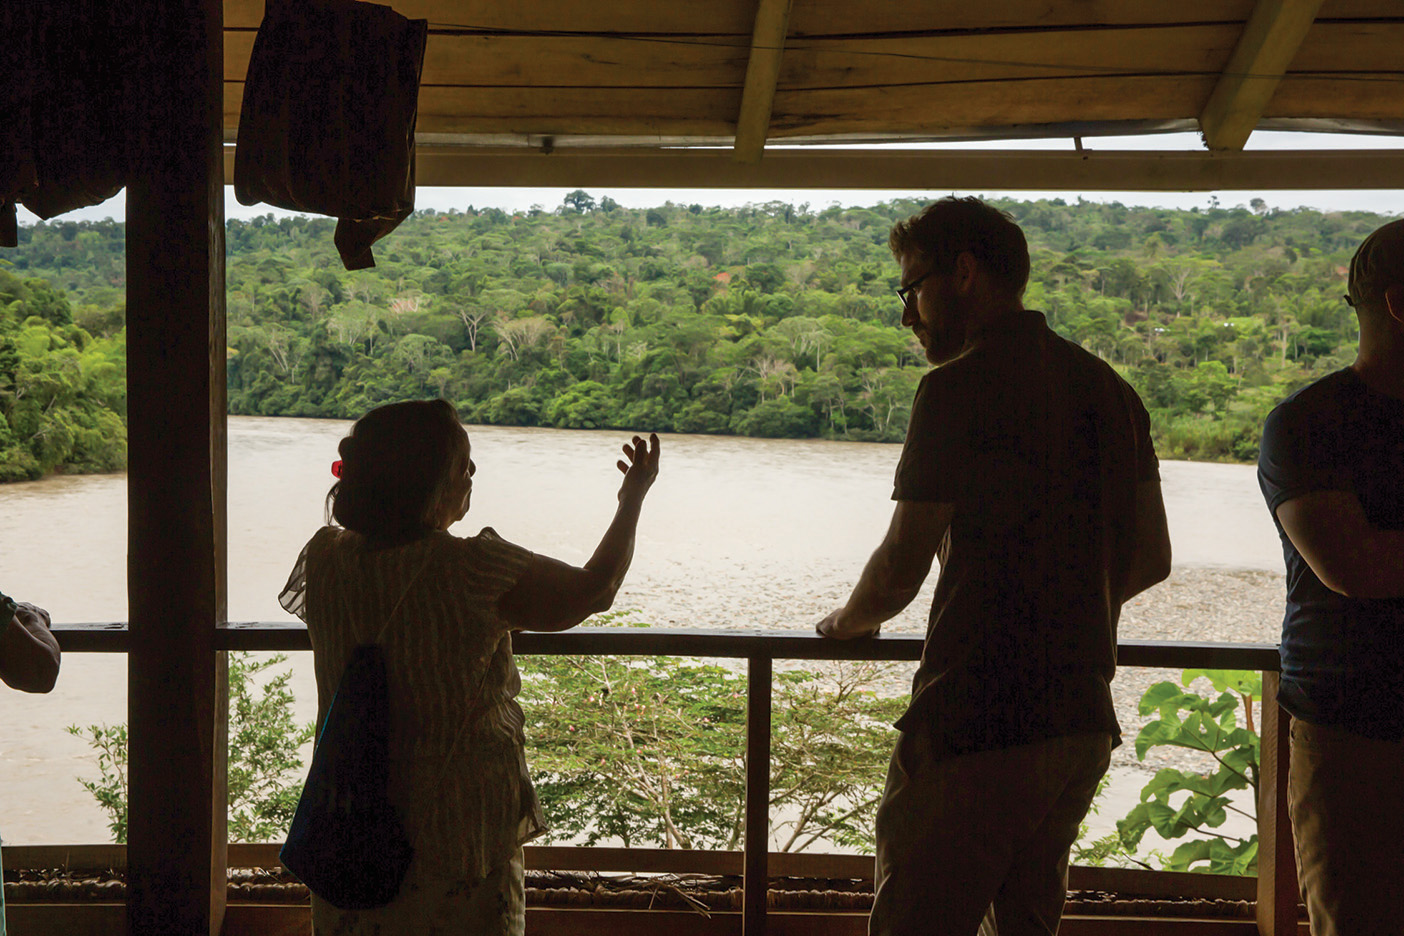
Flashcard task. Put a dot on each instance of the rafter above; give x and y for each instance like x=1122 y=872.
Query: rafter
x=974 y=170
x=1270 y=40
x=762 y=76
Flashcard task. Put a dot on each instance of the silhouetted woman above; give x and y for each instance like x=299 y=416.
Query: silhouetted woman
x=443 y=607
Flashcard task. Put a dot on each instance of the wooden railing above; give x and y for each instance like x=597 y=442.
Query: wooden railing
x=1277 y=885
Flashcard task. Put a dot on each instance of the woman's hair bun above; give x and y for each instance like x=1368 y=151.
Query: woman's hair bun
x=396 y=464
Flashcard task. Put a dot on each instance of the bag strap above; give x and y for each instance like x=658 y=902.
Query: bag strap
x=401 y=600
x=473 y=710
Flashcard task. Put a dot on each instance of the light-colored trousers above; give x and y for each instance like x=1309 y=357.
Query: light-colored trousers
x=979 y=843
x=1345 y=794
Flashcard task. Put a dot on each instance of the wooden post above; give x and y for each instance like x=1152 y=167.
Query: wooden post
x=1278 y=893
x=756 y=875
x=177 y=718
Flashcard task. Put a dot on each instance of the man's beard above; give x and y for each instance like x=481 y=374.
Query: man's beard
x=945 y=342
x=944 y=347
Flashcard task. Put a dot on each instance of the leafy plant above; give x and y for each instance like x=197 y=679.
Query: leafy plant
x=264 y=764
x=265 y=767
x=1189 y=720
x=1098 y=852
x=110 y=790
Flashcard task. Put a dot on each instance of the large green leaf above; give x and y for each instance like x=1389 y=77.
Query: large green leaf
x=1176 y=803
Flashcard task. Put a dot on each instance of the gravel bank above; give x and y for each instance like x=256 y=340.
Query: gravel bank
x=1195 y=603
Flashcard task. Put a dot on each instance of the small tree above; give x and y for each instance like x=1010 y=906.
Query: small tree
x=636 y=749
x=578 y=201
x=831 y=740
x=264 y=760
x=651 y=751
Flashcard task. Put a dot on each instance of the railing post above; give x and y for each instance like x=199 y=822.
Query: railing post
x=755 y=881
x=1278 y=893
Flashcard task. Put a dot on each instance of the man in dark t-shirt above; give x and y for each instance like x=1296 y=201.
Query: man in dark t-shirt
x=1028 y=469
x=1331 y=467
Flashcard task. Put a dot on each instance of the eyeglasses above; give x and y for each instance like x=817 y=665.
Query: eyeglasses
x=904 y=293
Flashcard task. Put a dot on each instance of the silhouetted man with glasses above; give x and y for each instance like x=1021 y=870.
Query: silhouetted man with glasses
x=1331 y=467
x=1029 y=471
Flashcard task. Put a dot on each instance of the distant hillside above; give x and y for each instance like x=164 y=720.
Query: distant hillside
x=769 y=320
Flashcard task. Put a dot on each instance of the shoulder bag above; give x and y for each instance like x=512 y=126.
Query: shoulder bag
x=347 y=842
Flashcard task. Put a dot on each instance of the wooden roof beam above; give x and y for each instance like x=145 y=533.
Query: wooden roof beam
x=762 y=76
x=1270 y=40
x=917 y=170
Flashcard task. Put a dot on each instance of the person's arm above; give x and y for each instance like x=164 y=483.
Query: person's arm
x=29 y=654
x=552 y=595
x=1347 y=552
x=1150 y=557
x=894 y=572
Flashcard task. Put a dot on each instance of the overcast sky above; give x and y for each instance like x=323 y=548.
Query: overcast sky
x=519 y=199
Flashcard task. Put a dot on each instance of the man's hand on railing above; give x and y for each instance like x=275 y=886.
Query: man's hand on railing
x=835 y=626
x=29 y=652
x=894 y=572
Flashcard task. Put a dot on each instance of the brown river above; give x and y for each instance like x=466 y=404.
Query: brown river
x=745 y=533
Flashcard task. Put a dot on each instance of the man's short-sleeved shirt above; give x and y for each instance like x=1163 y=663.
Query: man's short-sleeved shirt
x=1342 y=658
x=1039 y=446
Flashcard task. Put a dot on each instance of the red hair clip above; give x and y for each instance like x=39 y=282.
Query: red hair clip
x=336 y=468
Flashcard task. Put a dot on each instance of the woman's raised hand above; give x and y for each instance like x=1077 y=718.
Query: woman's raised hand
x=640 y=469
x=551 y=595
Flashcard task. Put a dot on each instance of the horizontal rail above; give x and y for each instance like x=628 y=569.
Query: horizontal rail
x=798 y=644
x=669 y=642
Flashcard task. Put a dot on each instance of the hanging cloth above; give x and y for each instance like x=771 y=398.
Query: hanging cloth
x=17 y=171
x=62 y=80
x=327 y=121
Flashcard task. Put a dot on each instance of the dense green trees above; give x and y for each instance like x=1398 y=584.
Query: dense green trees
x=62 y=388
x=772 y=319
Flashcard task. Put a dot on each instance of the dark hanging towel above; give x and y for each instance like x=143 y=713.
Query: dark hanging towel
x=62 y=74
x=17 y=171
x=327 y=122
